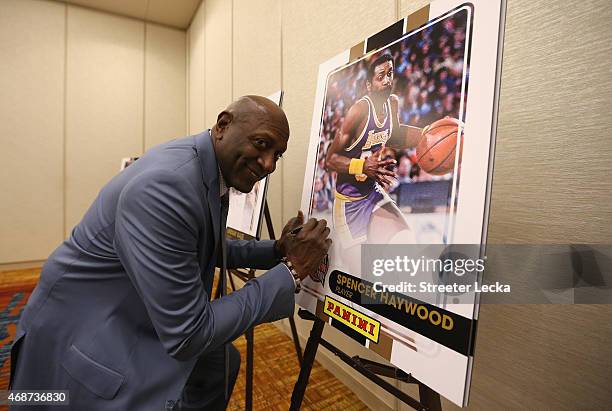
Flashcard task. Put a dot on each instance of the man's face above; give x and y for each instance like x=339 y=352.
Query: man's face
x=382 y=81
x=249 y=149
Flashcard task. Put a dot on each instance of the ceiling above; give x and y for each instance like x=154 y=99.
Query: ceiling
x=174 y=13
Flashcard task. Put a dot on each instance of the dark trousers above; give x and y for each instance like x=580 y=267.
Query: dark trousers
x=205 y=386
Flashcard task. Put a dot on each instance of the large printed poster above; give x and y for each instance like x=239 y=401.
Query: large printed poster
x=399 y=164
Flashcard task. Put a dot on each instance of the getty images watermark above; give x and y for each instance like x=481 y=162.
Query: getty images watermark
x=504 y=274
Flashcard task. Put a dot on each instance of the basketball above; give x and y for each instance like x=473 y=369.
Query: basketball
x=436 y=150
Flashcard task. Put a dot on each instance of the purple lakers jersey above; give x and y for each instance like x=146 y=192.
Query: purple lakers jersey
x=371 y=139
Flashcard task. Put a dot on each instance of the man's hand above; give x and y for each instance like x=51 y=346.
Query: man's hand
x=376 y=168
x=281 y=246
x=308 y=247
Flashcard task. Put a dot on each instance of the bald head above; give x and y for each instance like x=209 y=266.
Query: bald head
x=249 y=137
x=259 y=110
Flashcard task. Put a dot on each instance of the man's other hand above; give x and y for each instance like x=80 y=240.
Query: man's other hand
x=282 y=245
x=308 y=247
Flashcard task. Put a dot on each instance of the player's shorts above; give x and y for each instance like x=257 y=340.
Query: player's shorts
x=351 y=215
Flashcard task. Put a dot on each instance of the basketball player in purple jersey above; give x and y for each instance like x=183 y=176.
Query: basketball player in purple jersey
x=363 y=211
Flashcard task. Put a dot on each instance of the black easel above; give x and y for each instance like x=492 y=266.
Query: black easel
x=245 y=276
x=429 y=400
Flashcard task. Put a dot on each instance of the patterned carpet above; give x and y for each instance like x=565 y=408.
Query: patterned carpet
x=275 y=366
x=275 y=373
x=15 y=288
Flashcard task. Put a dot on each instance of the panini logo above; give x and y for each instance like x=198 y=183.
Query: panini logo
x=364 y=325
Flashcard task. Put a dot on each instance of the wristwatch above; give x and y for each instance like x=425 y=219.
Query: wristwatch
x=296 y=277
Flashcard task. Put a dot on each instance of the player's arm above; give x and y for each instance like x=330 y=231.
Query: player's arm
x=371 y=166
x=404 y=136
x=335 y=160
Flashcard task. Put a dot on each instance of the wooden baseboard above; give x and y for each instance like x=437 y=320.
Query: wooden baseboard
x=21 y=265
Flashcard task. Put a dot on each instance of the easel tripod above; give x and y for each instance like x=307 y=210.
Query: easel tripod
x=428 y=399
x=245 y=276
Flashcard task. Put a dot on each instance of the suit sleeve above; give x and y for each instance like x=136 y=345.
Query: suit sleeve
x=251 y=254
x=157 y=230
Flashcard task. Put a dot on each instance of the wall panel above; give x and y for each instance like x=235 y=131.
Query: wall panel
x=165 y=86
x=32 y=50
x=410 y=6
x=218 y=58
x=104 y=102
x=257 y=47
x=196 y=89
x=553 y=160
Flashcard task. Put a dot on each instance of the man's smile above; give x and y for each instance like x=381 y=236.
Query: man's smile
x=254 y=174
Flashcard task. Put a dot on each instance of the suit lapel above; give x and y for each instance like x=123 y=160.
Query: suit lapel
x=210 y=175
x=215 y=211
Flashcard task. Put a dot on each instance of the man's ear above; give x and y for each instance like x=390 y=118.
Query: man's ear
x=224 y=119
x=368 y=86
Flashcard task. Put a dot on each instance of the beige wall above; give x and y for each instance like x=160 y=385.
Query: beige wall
x=81 y=90
x=32 y=45
x=165 y=84
x=104 y=102
x=195 y=59
x=218 y=58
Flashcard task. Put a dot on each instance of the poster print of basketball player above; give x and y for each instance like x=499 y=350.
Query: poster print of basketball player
x=401 y=152
x=390 y=136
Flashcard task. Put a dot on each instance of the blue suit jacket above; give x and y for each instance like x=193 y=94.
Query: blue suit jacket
x=122 y=310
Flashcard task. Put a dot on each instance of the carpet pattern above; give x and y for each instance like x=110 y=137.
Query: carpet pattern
x=15 y=289
x=275 y=364
x=275 y=372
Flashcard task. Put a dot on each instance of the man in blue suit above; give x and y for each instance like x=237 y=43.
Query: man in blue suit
x=121 y=316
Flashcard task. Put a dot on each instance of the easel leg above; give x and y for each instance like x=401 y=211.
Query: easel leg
x=249 y=370
x=294 y=334
x=231 y=280
x=296 y=340
x=309 y=356
x=268 y=218
x=250 y=340
x=217 y=291
x=429 y=398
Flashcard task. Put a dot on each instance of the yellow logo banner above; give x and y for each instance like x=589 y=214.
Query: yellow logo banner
x=364 y=325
